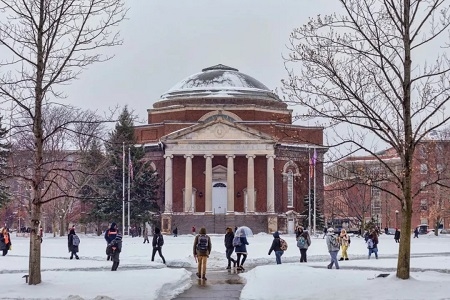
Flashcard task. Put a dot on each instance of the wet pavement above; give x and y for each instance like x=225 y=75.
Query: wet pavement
x=220 y=284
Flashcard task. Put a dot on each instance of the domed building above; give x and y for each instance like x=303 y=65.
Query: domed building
x=229 y=155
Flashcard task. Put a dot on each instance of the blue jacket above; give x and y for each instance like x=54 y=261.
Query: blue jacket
x=242 y=248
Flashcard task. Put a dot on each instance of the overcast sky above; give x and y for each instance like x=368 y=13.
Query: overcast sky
x=168 y=40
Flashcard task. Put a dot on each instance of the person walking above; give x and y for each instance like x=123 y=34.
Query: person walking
x=344 y=241
x=416 y=232
x=333 y=247
x=372 y=244
x=5 y=241
x=240 y=248
x=110 y=235
x=324 y=232
x=276 y=247
x=175 y=232
x=397 y=235
x=229 y=248
x=303 y=242
x=113 y=250
x=145 y=234
x=193 y=230
x=157 y=243
x=202 y=249
x=73 y=243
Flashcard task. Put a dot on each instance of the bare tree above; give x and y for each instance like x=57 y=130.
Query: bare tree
x=364 y=69
x=49 y=43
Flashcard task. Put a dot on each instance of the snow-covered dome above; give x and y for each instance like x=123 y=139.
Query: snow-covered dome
x=217 y=82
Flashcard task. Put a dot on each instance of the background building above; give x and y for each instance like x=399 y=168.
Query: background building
x=359 y=189
x=229 y=154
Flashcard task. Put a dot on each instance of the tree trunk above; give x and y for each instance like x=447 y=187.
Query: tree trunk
x=35 y=246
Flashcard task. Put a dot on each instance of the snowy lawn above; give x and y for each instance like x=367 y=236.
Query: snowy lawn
x=139 y=278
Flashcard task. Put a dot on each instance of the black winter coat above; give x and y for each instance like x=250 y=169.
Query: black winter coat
x=228 y=241
x=72 y=248
x=3 y=245
x=155 y=240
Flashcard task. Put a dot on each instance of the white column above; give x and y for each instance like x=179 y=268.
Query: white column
x=251 y=183
x=230 y=184
x=270 y=184
x=208 y=183
x=168 y=185
x=188 y=184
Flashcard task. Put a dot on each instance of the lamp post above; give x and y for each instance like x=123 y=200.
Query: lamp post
x=396 y=218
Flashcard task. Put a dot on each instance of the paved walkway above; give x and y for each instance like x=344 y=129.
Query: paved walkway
x=220 y=285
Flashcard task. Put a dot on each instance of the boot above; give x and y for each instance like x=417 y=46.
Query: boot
x=115 y=266
x=341 y=258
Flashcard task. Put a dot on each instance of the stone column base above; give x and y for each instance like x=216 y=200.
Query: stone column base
x=166 y=223
x=272 y=223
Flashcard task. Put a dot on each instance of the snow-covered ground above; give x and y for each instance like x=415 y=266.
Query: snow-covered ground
x=139 y=278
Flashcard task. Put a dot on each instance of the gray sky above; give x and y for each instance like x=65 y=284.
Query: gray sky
x=168 y=40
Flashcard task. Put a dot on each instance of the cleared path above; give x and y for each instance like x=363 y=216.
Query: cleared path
x=219 y=285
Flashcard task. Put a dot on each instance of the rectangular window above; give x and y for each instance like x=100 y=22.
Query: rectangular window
x=423 y=204
x=423 y=185
x=376 y=192
x=440 y=168
x=423 y=169
x=290 y=189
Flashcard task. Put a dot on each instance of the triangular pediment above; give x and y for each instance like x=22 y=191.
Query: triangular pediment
x=218 y=130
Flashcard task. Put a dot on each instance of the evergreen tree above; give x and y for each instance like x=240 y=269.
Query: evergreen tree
x=320 y=221
x=5 y=148
x=144 y=182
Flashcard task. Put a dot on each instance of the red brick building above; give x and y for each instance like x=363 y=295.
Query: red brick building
x=229 y=154
x=359 y=189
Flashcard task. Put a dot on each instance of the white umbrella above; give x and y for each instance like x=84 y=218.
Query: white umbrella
x=244 y=231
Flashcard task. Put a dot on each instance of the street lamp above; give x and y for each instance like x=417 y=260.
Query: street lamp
x=396 y=218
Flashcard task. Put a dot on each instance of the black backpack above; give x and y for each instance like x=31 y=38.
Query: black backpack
x=159 y=240
x=202 y=243
x=111 y=248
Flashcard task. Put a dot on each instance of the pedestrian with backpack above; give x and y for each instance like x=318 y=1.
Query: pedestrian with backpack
x=333 y=247
x=372 y=244
x=229 y=248
x=276 y=247
x=303 y=242
x=110 y=235
x=73 y=243
x=239 y=243
x=201 y=250
x=157 y=243
x=113 y=250
x=344 y=240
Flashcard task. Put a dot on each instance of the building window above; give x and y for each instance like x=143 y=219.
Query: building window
x=422 y=153
x=423 y=185
x=423 y=169
x=290 y=189
x=423 y=204
x=424 y=221
x=376 y=192
x=440 y=168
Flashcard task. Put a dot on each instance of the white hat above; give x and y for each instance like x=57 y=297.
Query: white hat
x=331 y=229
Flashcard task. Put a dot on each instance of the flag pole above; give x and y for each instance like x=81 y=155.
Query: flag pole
x=123 y=188
x=315 y=198
x=129 y=185
x=309 y=190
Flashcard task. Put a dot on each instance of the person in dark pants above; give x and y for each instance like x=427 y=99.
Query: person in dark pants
x=175 y=232
x=324 y=232
x=397 y=235
x=229 y=248
x=303 y=242
x=73 y=249
x=241 y=249
x=115 y=256
x=157 y=243
x=110 y=235
x=416 y=232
